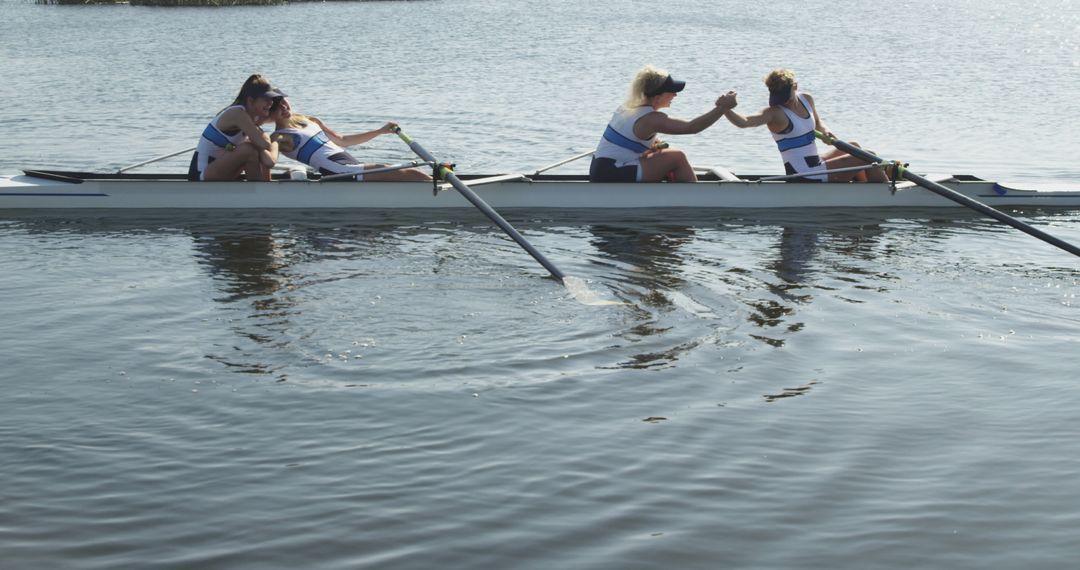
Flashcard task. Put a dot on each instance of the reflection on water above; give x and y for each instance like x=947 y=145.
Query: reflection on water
x=250 y=267
x=774 y=263
x=791 y=392
x=653 y=265
x=838 y=246
x=651 y=254
x=247 y=260
x=693 y=279
x=795 y=249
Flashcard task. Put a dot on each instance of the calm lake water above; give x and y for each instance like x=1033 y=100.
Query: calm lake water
x=814 y=389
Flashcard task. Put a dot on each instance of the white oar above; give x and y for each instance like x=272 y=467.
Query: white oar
x=952 y=195
x=443 y=172
x=343 y=175
x=163 y=157
x=845 y=169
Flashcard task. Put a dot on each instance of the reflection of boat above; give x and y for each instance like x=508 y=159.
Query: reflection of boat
x=58 y=189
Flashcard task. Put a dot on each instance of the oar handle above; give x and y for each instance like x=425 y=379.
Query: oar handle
x=824 y=137
x=442 y=170
x=397 y=131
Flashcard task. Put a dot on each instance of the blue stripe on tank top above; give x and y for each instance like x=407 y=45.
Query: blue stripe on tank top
x=317 y=141
x=795 y=142
x=617 y=139
x=212 y=134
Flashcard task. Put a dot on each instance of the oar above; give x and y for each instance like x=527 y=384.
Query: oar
x=443 y=172
x=562 y=162
x=953 y=195
x=390 y=168
x=162 y=157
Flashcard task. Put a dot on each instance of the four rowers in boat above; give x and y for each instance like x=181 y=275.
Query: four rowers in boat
x=629 y=150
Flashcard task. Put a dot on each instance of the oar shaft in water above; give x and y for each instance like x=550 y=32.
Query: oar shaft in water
x=958 y=197
x=446 y=174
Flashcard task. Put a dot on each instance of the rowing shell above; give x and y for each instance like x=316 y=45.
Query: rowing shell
x=59 y=189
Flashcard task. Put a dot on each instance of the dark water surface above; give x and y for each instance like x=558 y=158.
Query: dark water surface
x=780 y=389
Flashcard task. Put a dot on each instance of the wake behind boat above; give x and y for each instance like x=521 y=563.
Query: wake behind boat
x=717 y=188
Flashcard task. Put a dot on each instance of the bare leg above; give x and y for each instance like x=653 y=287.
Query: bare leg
x=656 y=166
x=837 y=158
x=403 y=175
x=244 y=158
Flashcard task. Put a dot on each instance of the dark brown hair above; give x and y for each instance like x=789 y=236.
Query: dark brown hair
x=255 y=86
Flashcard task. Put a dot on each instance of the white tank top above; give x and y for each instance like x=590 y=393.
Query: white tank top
x=311 y=146
x=213 y=143
x=797 y=145
x=619 y=142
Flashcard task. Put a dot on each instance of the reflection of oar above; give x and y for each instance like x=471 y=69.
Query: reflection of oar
x=443 y=172
x=953 y=195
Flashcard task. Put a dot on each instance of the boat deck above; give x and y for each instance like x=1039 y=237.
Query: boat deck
x=52 y=189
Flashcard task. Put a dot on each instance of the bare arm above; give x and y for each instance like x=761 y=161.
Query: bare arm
x=268 y=157
x=330 y=133
x=658 y=122
x=355 y=139
x=237 y=118
x=770 y=116
x=817 y=120
x=285 y=142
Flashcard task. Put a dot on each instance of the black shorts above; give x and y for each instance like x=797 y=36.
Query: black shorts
x=604 y=170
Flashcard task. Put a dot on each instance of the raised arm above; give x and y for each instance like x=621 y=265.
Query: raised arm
x=658 y=122
x=770 y=116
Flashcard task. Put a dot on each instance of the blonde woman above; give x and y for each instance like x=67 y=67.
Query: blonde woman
x=792 y=118
x=233 y=144
x=308 y=140
x=630 y=150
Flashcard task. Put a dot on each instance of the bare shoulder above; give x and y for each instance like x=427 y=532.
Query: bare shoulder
x=774 y=113
x=775 y=118
x=233 y=114
x=234 y=117
x=649 y=124
x=649 y=119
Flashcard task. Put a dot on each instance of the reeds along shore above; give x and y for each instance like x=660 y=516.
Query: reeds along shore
x=182 y=2
x=166 y=2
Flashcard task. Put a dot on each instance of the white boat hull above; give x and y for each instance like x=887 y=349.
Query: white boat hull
x=23 y=192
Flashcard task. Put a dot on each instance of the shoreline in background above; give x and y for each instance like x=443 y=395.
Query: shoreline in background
x=176 y=3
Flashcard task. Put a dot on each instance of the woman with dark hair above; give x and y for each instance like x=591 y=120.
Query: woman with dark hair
x=792 y=118
x=233 y=144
